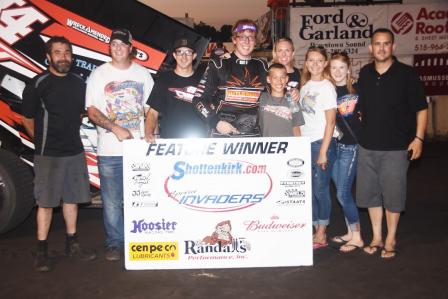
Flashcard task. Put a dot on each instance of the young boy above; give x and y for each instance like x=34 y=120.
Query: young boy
x=275 y=116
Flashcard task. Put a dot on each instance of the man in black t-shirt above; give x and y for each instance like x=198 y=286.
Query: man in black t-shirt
x=52 y=106
x=172 y=97
x=394 y=115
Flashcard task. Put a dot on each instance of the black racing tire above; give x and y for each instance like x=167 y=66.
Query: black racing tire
x=16 y=191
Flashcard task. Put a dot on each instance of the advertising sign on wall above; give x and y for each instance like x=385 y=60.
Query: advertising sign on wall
x=418 y=28
x=433 y=70
x=343 y=28
x=217 y=203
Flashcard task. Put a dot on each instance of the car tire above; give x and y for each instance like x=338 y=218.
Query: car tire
x=16 y=191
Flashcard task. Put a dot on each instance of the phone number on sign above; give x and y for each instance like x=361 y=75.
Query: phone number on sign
x=346 y=50
x=434 y=47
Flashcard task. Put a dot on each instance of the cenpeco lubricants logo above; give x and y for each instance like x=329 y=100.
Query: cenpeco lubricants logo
x=153 y=251
x=335 y=26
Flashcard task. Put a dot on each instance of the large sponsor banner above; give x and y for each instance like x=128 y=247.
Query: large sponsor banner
x=217 y=203
x=418 y=28
x=339 y=28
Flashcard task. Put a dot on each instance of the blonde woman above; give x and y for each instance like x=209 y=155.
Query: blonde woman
x=283 y=53
x=318 y=103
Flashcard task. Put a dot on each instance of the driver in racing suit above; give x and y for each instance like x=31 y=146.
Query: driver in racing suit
x=229 y=91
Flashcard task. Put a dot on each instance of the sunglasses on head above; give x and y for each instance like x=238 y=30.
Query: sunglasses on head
x=313 y=47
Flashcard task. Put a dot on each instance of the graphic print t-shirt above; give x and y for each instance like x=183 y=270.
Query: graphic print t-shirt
x=120 y=95
x=276 y=119
x=349 y=109
x=172 y=97
x=315 y=98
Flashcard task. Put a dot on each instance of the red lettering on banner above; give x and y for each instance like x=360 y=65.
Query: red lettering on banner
x=432 y=15
x=422 y=28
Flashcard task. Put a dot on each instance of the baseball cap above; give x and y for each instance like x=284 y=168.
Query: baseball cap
x=183 y=42
x=121 y=34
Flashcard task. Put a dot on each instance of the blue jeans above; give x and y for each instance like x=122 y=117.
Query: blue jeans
x=321 y=183
x=111 y=180
x=343 y=175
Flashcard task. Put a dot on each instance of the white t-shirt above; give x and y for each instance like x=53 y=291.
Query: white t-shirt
x=315 y=98
x=121 y=96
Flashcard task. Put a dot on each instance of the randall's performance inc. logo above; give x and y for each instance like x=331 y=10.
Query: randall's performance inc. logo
x=219 y=242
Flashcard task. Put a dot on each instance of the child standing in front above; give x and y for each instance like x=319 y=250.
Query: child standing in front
x=276 y=115
x=318 y=104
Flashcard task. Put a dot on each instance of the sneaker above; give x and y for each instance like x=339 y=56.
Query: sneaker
x=42 y=261
x=112 y=254
x=73 y=249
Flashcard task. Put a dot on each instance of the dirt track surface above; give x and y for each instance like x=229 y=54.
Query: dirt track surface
x=419 y=271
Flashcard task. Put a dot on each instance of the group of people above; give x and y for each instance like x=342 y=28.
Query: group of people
x=371 y=128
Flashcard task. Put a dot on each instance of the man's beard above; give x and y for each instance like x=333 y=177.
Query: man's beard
x=62 y=66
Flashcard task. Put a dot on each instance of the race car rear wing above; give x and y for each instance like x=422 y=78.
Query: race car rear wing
x=25 y=25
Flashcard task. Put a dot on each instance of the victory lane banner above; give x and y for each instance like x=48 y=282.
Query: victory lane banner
x=217 y=203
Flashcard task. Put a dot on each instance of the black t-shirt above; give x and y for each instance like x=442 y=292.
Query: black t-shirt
x=294 y=78
x=349 y=109
x=56 y=104
x=172 y=97
x=389 y=103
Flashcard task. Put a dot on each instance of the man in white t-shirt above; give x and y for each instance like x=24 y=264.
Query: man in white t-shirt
x=115 y=101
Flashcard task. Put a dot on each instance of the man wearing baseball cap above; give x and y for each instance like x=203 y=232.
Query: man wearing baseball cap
x=115 y=102
x=172 y=97
x=123 y=35
x=233 y=83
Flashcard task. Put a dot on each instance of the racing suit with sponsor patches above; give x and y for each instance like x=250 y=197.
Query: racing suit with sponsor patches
x=229 y=90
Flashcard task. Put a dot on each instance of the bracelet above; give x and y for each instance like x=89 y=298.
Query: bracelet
x=421 y=139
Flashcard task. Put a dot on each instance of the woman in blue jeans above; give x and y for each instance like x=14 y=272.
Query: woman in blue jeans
x=318 y=104
x=344 y=167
